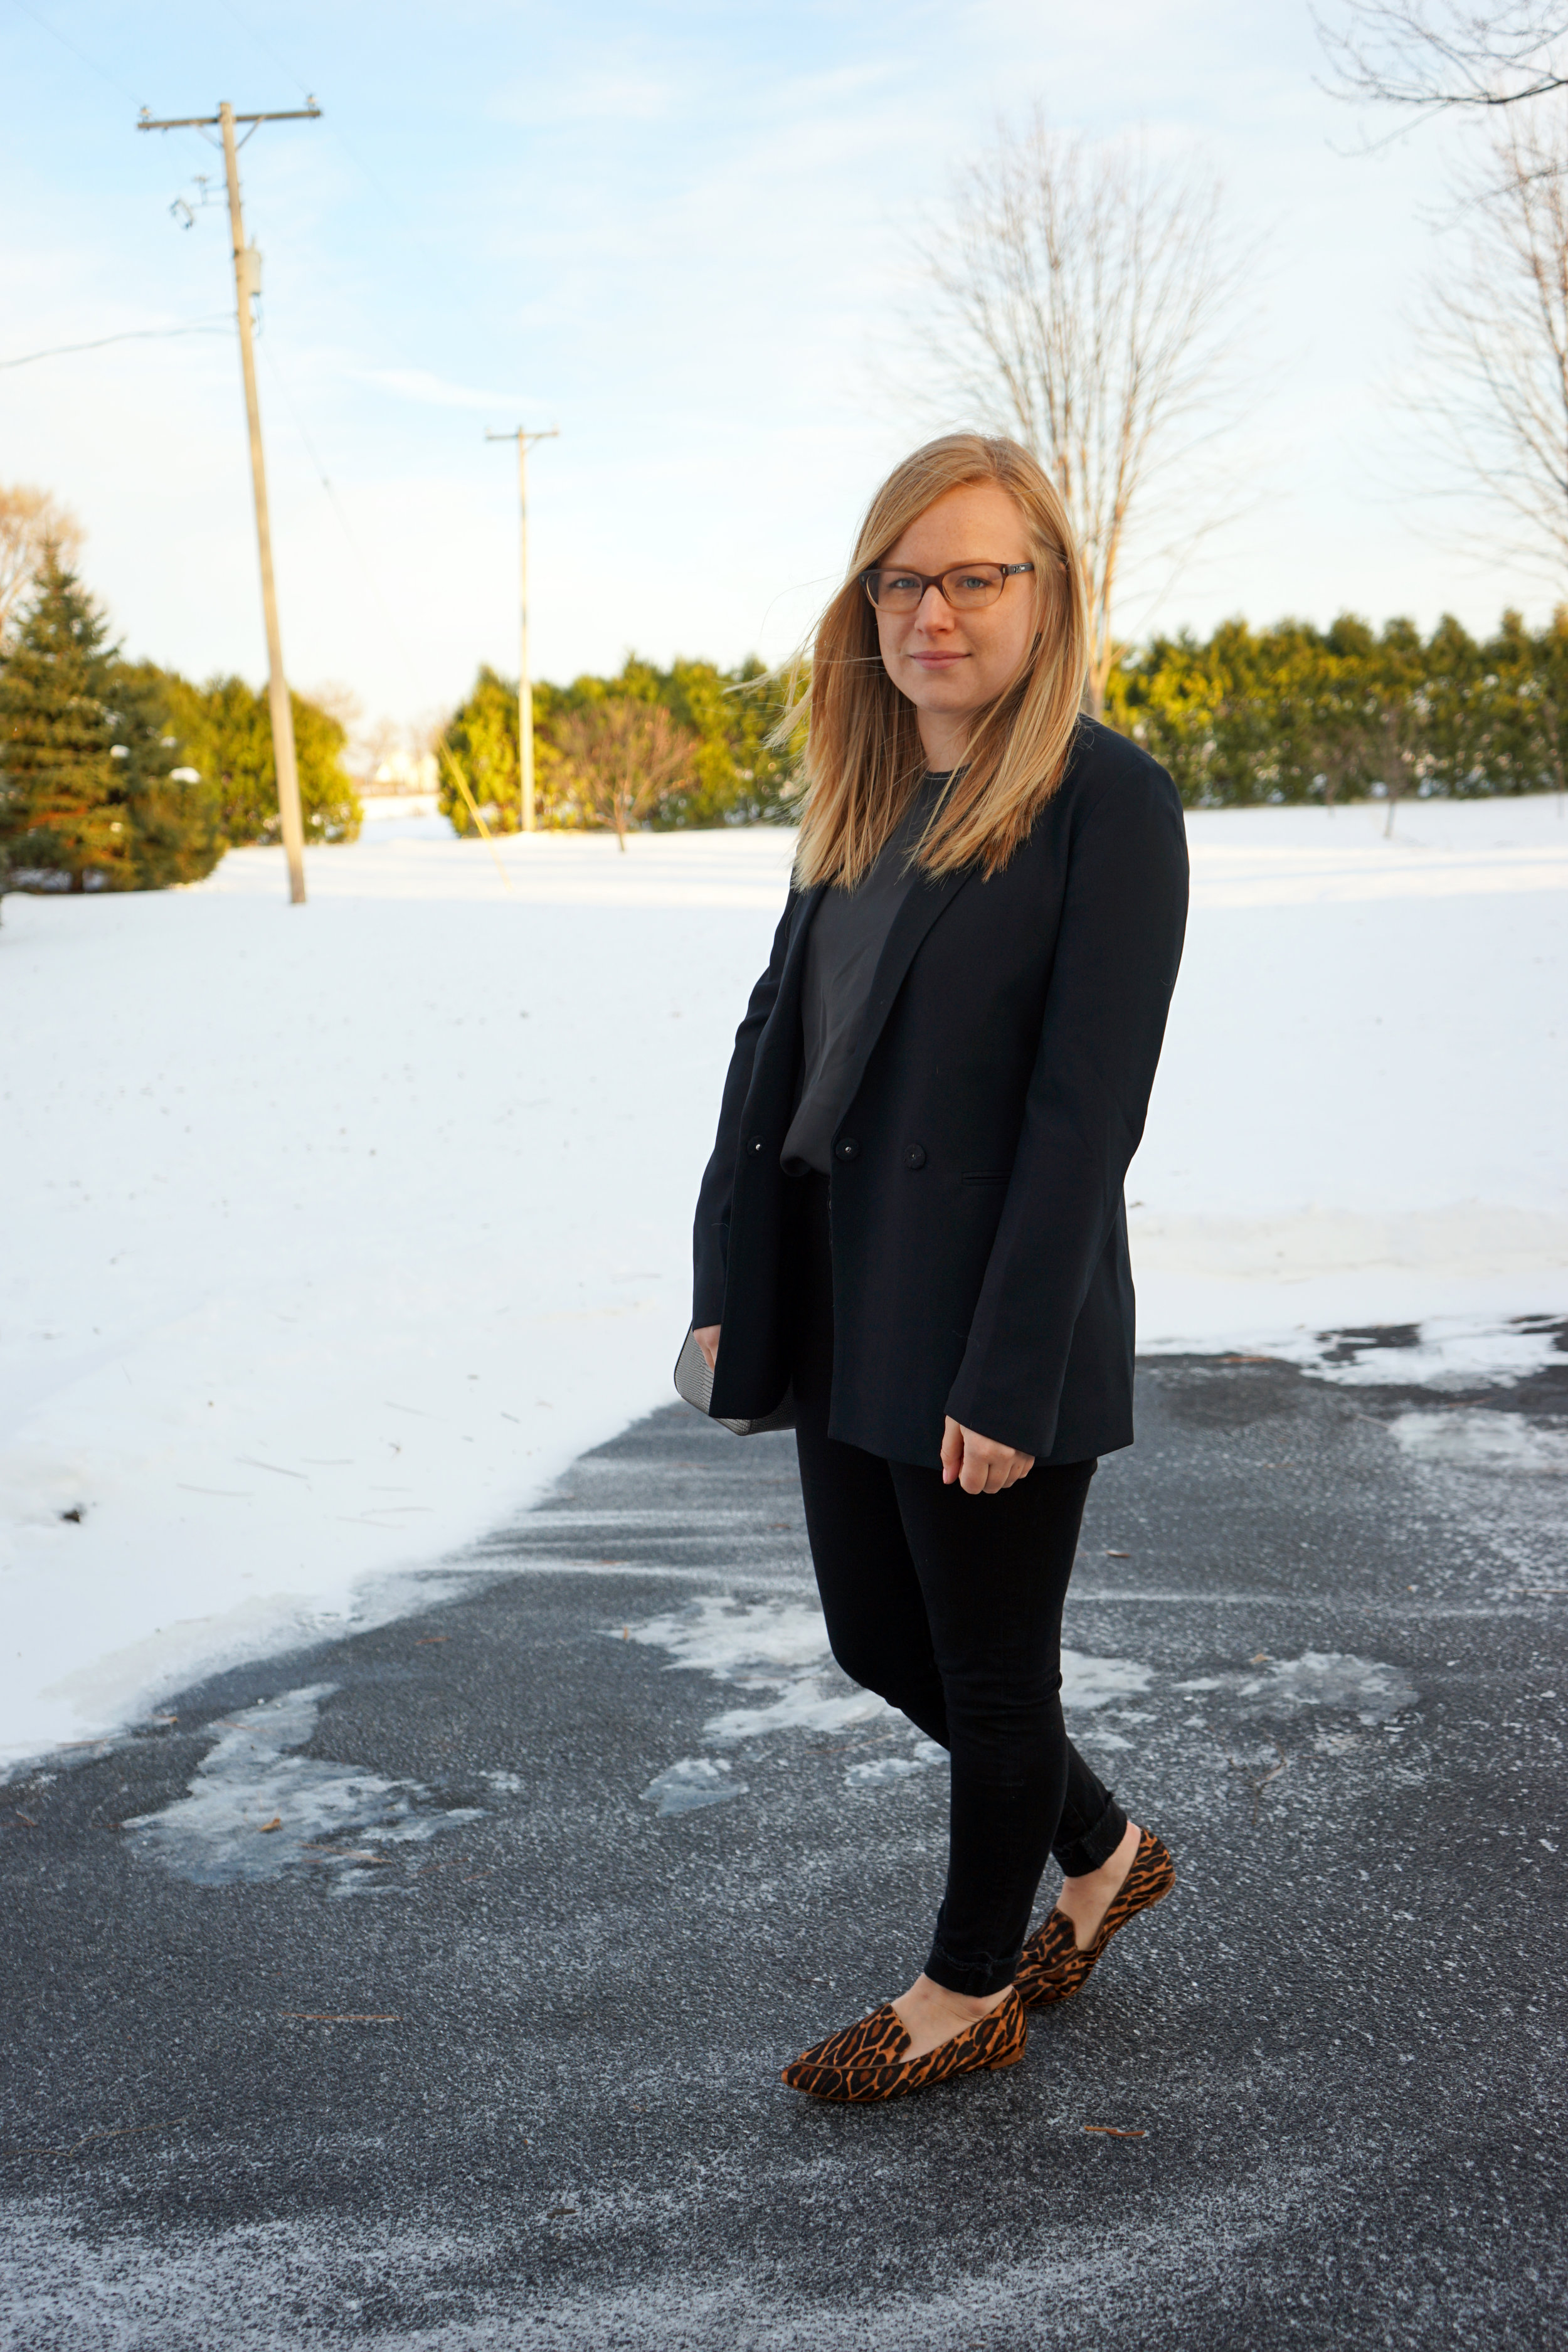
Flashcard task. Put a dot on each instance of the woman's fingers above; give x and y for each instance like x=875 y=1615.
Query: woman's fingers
x=986 y=1466
x=980 y=1465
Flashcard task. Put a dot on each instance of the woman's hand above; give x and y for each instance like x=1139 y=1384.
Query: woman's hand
x=708 y=1341
x=979 y=1465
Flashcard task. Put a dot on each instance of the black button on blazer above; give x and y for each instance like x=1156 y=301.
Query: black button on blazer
x=1014 y=1026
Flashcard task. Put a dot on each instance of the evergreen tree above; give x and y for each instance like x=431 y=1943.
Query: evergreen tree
x=481 y=740
x=226 y=727
x=62 y=807
x=1294 y=713
x=176 y=832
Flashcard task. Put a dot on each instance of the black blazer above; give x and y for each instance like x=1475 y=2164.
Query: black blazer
x=980 y=1262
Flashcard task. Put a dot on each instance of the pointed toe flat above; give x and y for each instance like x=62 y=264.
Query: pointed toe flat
x=1052 y=1965
x=865 y=2062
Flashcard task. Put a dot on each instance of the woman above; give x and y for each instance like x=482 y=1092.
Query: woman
x=914 y=1213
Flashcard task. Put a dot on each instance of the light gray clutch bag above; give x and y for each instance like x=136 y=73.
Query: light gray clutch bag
x=694 y=1381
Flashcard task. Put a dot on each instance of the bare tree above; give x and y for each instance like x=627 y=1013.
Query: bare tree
x=1494 y=347
x=30 y=521
x=1436 y=57
x=624 y=758
x=1081 y=299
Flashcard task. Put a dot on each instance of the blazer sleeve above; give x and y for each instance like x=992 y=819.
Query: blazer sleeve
x=710 y=1229
x=1119 y=945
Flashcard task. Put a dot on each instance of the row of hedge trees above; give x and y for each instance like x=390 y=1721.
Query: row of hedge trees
x=1295 y=713
x=710 y=764
x=1244 y=716
x=123 y=776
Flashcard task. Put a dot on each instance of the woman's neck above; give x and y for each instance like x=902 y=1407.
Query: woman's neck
x=943 y=738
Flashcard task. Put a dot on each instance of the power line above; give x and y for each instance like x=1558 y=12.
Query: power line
x=388 y=196
x=66 y=42
x=371 y=579
x=131 y=335
x=266 y=47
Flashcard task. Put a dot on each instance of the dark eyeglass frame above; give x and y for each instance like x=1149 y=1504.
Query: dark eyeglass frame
x=938 y=580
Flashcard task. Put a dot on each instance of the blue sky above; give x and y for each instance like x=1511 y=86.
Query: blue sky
x=681 y=232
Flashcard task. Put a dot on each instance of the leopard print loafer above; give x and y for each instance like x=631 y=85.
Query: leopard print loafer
x=865 y=2062
x=1051 y=1967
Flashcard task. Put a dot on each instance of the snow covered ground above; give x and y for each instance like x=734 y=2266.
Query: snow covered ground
x=333 y=1234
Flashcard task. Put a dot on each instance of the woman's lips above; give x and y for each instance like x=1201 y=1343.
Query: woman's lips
x=938 y=661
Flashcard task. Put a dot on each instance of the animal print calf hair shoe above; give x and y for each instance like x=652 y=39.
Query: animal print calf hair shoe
x=1051 y=1967
x=865 y=2062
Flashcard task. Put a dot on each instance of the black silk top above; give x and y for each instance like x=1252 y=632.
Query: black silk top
x=841 y=956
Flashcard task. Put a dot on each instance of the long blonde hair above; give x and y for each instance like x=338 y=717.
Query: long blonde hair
x=863 y=757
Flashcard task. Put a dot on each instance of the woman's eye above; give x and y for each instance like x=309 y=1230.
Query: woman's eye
x=897 y=584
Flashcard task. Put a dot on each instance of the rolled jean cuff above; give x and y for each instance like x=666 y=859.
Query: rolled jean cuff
x=975 y=1979
x=1094 y=1847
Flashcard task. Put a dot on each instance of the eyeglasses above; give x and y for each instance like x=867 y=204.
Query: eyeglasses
x=968 y=589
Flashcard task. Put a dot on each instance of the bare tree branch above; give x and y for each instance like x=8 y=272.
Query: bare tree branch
x=30 y=521
x=1494 y=347
x=1080 y=306
x=1436 y=57
x=623 y=757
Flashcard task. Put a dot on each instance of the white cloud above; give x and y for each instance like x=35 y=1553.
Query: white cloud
x=434 y=392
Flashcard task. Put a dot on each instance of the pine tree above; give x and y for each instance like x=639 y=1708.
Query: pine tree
x=62 y=802
x=175 y=814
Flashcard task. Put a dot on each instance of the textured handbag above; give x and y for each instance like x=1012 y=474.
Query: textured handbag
x=694 y=1381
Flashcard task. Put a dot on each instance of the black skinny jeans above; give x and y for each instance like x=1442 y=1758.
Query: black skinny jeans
x=949 y=1606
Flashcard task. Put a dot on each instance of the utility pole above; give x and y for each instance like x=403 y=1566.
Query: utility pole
x=524 y=683
x=246 y=285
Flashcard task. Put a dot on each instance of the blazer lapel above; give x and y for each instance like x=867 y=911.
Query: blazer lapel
x=773 y=1073
x=923 y=903
x=795 y=955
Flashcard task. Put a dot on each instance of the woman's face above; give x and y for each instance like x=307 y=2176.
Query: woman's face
x=951 y=665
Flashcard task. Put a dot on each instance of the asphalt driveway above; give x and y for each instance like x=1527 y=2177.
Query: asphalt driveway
x=428 y=1987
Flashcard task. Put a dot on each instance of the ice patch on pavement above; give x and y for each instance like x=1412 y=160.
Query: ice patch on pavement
x=739 y=1642
x=1367 y=1687
x=1447 y=1351
x=1364 y=1686
x=693 y=1781
x=804 y=1707
x=1478 y=1439
x=255 y=1809
x=780 y=1648
x=1089 y=1683
x=886 y=1768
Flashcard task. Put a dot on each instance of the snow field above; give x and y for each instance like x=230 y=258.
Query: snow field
x=333 y=1234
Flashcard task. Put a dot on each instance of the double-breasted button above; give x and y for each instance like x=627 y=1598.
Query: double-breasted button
x=847 y=1148
x=915 y=1157
x=755 y=1147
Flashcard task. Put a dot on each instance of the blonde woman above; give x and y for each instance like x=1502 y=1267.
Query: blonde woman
x=913 y=1214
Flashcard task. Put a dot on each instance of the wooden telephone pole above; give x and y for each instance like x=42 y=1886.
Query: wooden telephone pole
x=524 y=683
x=246 y=285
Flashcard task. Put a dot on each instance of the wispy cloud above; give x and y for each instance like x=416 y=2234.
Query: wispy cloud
x=434 y=392
x=627 y=95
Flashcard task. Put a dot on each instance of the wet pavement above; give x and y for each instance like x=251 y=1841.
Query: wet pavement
x=428 y=1987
